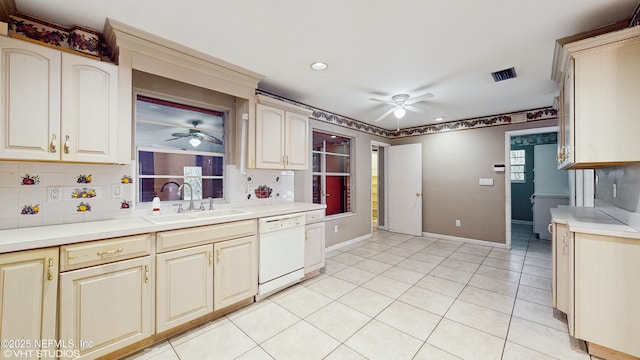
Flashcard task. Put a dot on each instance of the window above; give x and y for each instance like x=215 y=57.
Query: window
x=517 y=164
x=332 y=172
x=178 y=143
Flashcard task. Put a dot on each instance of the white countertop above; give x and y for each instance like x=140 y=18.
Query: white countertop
x=592 y=221
x=55 y=235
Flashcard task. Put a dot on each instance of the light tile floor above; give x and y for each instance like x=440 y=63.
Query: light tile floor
x=399 y=297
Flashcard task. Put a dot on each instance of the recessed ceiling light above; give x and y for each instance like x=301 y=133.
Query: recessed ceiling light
x=440 y=118
x=319 y=66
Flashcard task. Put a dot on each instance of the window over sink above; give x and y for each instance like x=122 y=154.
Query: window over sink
x=178 y=143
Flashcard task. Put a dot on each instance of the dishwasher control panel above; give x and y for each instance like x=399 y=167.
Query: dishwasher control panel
x=281 y=222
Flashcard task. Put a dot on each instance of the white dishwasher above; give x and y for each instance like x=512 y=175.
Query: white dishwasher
x=281 y=259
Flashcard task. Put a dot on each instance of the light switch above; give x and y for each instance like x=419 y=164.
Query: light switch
x=486 y=182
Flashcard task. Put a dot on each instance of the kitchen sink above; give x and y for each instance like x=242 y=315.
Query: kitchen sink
x=217 y=213
x=192 y=216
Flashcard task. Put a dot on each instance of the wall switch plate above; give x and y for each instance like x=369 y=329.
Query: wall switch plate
x=458 y=223
x=116 y=190
x=335 y=228
x=486 y=182
x=54 y=194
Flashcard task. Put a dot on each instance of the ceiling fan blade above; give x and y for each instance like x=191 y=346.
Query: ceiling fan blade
x=415 y=109
x=209 y=138
x=419 y=98
x=179 y=135
x=175 y=138
x=387 y=113
x=384 y=101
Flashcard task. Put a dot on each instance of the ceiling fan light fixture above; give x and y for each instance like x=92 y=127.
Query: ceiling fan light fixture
x=319 y=66
x=194 y=141
x=399 y=112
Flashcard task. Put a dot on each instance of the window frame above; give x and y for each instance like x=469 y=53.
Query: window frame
x=187 y=103
x=323 y=173
x=514 y=165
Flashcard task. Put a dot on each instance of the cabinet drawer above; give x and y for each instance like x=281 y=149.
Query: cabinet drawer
x=178 y=239
x=104 y=251
x=314 y=216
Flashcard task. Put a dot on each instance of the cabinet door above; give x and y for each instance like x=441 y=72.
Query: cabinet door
x=104 y=308
x=89 y=110
x=562 y=271
x=269 y=137
x=607 y=292
x=29 y=101
x=184 y=288
x=296 y=137
x=28 y=294
x=235 y=271
x=314 y=247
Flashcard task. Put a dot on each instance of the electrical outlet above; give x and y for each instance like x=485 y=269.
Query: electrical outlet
x=116 y=190
x=615 y=191
x=457 y=222
x=54 y=194
x=335 y=228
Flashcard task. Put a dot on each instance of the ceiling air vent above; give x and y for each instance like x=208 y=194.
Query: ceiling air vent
x=505 y=74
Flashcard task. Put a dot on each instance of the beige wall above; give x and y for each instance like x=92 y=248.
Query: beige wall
x=452 y=164
x=359 y=224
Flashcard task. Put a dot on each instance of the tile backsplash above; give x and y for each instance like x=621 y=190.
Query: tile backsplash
x=35 y=194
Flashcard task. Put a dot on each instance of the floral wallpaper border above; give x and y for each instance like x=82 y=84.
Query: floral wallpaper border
x=495 y=120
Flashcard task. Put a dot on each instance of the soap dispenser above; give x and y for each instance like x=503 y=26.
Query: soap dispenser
x=155 y=206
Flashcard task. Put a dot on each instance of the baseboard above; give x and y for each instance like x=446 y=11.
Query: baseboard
x=467 y=240
x=347 y=243
x=522 y=222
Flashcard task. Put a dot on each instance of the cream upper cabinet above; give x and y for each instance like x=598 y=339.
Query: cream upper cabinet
x=599 y=117
x=184 y=287
x=57 y=106
x=107 y=307
x=28 y=299
x=89 y=128
x=281 y=139
x=29 y=101
x=235 y=271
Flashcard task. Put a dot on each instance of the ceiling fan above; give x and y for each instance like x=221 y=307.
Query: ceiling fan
x=196 y=136
x=401 y=103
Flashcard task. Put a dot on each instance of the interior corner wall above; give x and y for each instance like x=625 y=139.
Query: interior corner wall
x=358 y=224
x=452 y=164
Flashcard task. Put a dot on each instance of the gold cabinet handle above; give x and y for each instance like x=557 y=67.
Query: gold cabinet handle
x=67 y=144
x=218 y=255
x=52 y=144
x=110 y=252
x=50 y=274
x=549 y=228
x=210 y=258
x=146 y=273
x=565 y=248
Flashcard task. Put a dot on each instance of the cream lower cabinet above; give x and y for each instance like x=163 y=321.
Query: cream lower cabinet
x=28 y=298
x=607 y=292
x=107 y=307
x=562 y=282
x=235 y=271
x=184 y=287
x=314 y=247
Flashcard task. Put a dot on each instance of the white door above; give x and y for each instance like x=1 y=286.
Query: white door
x=405 y=189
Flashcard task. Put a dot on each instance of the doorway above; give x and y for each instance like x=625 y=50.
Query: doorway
x=514 y=200
x=378 y=185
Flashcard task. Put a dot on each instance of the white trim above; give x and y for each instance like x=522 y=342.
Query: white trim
x=522 y=222
x=385 y=175
x=467 y=240
x=507 y=170
x=347 y=243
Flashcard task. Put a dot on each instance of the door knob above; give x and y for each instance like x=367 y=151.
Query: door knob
x=418 y=194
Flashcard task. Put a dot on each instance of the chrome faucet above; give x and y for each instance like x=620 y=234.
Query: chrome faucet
x=181 y=192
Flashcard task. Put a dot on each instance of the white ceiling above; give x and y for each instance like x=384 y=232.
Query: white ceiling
x=374 y=48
